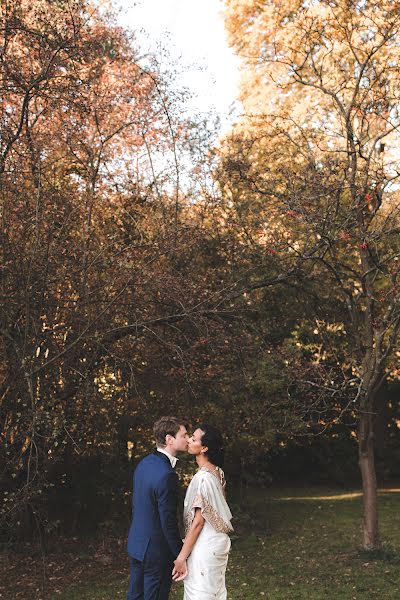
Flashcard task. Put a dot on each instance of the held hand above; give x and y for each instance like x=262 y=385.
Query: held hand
x=180 y=569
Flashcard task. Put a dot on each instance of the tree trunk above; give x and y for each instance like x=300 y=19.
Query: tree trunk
x=381 y=432
x=371 y=539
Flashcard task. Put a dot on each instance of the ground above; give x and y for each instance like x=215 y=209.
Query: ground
x=301 y=544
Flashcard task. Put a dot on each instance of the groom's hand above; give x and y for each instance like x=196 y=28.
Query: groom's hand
x=180 y=569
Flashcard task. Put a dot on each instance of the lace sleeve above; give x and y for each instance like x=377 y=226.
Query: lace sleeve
x=209 y=514
x=207 y=495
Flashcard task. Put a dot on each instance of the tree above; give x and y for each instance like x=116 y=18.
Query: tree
x=315 y=161
x=114 y=280
x=86 y=237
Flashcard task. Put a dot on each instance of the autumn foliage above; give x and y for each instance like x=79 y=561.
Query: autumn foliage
x=317 y=148
x=146 y=269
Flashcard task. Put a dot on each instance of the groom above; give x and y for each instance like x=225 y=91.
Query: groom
x=154 y=541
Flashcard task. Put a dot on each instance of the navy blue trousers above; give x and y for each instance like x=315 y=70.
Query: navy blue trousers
x=150 y=580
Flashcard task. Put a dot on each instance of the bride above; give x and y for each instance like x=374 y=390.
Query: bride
x=207 y=520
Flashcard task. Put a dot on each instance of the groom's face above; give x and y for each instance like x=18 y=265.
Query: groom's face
x=180 y=441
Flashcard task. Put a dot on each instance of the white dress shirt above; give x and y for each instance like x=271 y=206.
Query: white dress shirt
x=172 y=459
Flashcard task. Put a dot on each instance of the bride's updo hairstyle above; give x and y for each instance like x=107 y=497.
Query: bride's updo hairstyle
x=212 y=438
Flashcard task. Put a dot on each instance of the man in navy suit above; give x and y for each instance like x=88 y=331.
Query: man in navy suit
x=154 y=540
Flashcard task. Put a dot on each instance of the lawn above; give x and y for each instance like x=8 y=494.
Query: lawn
x=288 y=545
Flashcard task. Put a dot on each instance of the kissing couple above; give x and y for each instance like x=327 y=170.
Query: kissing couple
x=155 y=547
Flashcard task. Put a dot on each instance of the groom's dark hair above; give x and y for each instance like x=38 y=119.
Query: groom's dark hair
x=165 y=426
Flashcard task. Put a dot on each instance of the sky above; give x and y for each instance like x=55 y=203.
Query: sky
x=193 y=31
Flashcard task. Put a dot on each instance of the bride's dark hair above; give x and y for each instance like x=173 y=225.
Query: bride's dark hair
x=212 y=438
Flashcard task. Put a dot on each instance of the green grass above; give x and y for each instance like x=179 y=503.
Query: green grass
x=288 y=545
x=308 y=548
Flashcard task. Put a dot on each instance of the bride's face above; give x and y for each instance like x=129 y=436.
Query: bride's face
x=195 y=446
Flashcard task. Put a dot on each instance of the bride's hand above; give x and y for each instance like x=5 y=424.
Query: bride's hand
x=180 y=569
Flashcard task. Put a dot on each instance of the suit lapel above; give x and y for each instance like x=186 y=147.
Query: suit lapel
x=163 y=457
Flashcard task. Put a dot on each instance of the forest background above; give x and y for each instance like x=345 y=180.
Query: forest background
x=149 y=266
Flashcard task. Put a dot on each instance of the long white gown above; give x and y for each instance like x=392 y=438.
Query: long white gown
x=209 y=557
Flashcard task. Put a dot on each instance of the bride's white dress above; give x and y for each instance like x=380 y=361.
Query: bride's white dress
x=209 y=557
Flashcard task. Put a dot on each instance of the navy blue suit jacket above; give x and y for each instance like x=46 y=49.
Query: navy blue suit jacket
x=154 y=531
